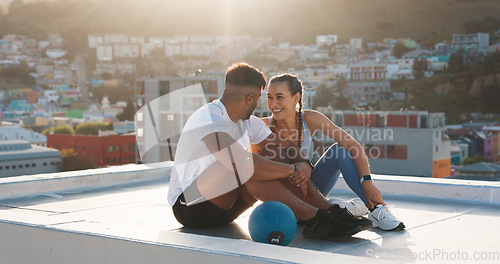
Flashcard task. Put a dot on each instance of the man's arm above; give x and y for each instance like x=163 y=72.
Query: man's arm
x=235 y=158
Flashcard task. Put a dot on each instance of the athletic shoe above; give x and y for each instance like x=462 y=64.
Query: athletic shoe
x=346 y=216
x=382 y=218
x=324 y=226
x=355 y=206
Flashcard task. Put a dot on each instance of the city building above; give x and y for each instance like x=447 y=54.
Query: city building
x=115 y=68
x=116 y=39
x=101 y=150
x=20 y=133
x=356 y=43
x=465 y=41
x=19 y=157
x=326 y=40
x=367 y=92
x=168 y=107
x=459 y=152
x=104 y=52
x=372 y=70
x=95 y=40
x=396 y=142
x=443 y=49
x=126 y=51
x=480 y=171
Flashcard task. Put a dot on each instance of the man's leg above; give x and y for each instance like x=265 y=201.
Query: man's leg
x=209 y=184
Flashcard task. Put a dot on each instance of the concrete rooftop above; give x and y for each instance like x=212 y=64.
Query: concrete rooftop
x=120 y=215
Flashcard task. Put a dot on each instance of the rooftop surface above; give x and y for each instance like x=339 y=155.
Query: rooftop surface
x=120 y=215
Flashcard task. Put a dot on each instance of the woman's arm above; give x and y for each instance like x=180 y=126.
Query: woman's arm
x=316 y=121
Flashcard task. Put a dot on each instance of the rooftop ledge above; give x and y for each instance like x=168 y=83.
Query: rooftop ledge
x=120 y=215
x=453 y=190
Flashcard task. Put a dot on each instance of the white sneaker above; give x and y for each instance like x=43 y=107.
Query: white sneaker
x=355 y=206
x=382 y=218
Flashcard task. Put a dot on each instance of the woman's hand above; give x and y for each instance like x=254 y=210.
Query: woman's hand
x=300 y=177
x=372 y=194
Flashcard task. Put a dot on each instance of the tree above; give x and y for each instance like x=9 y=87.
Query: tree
x=93 y=128
x=71 y=161
x=340 y=100
x=60 y=130
x=106 y=76
x=475 y=159
x=419 y=68
x=20 y=72
x=324 y=96
x=456 y=62
x=399 y=50
x=128 y=112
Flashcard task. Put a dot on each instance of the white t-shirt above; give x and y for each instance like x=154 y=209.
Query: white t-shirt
x=192 y=156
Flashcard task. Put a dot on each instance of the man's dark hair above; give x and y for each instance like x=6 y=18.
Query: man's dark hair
x=242 y=74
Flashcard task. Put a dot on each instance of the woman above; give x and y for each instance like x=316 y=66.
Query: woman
x=347 y=155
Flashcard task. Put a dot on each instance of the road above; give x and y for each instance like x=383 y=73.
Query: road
x=82 y=77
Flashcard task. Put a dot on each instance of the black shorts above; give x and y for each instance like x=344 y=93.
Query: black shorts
x=206 y=214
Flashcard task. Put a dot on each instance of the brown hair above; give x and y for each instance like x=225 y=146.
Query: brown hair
x=294 y=86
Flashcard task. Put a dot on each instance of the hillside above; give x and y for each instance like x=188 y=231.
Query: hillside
x=296 y=21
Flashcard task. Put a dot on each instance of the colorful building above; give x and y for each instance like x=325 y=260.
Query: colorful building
x=100 y=150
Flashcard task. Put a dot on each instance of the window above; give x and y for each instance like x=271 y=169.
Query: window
x=20 y=166
x=397 y=152
x=164 y=87
x=84 y=148
x=1 y=167
x=437 y=148
x=33 y=165
x=14 y=167
x=45 y=164
x=7 y=167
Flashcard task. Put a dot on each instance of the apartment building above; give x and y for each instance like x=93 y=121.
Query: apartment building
x=368 y=70
x=367 y=92
x=326 y=40
x=126 y=50
x=397 y=142
x=104 y=52
x=464 y=41
x=95 y=40
x=164 y=104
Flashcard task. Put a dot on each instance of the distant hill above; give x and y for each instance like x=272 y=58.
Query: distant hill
x=297 y=21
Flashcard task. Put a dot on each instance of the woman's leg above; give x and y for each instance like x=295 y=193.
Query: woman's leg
x=327 y=170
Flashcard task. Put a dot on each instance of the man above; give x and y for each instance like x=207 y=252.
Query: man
x=215 y=178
